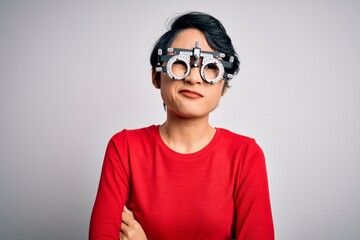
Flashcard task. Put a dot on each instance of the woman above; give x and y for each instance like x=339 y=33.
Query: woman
x=185 y=179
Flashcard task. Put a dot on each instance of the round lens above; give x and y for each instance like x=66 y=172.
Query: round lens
x=211 y=71
x=179 y=69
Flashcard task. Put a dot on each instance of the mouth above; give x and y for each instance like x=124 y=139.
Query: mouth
x=190 y=94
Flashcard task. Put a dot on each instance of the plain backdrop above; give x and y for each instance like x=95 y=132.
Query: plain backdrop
x=73 y=73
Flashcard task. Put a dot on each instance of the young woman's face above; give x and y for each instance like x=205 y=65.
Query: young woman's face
x=191 y=97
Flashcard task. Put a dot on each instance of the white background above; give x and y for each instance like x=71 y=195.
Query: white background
x=75 y=72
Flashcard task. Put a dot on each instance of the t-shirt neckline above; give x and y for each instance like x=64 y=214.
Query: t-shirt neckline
x=196 y=154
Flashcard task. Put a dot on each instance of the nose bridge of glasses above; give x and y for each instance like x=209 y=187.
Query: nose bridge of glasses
x=196 y=54
x=194 y=72
x=185 y=62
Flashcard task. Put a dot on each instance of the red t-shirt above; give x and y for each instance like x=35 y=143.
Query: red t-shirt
x=219 y=192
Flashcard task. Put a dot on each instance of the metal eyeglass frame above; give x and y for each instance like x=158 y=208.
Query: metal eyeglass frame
x=184 y=55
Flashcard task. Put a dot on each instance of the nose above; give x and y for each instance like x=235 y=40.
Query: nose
x=194 y=76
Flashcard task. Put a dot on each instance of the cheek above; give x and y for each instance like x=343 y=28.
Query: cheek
x=216 y=95
x=217 y=90
x=168 y=88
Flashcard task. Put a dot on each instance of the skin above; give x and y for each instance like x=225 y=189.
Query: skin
x=130 y=228
x=187 y=127
x=189 y=103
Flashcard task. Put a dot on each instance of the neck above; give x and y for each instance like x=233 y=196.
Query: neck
x=186 y=135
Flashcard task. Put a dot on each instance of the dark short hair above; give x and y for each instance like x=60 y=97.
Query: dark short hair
x=213 y=30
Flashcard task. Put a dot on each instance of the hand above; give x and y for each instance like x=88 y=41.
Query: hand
x=130 y=228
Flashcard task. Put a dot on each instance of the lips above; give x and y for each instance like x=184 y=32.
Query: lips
x=190 y=93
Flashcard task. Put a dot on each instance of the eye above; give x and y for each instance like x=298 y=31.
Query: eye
x=210 y=71
x=179 y=64
x=211 y=67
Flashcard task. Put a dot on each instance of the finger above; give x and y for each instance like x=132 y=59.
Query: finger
x=127 y=218
x=128 y=211
x=123 y=237
x=125 y=231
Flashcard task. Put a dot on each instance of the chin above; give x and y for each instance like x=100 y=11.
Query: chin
x=191 y=114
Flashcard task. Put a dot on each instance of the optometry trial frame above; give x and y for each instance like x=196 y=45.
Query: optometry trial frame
x=212 y=68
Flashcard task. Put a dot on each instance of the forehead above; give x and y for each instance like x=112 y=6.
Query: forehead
x=187 y=38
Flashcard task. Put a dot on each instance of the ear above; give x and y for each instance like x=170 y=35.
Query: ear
x=155 y=76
